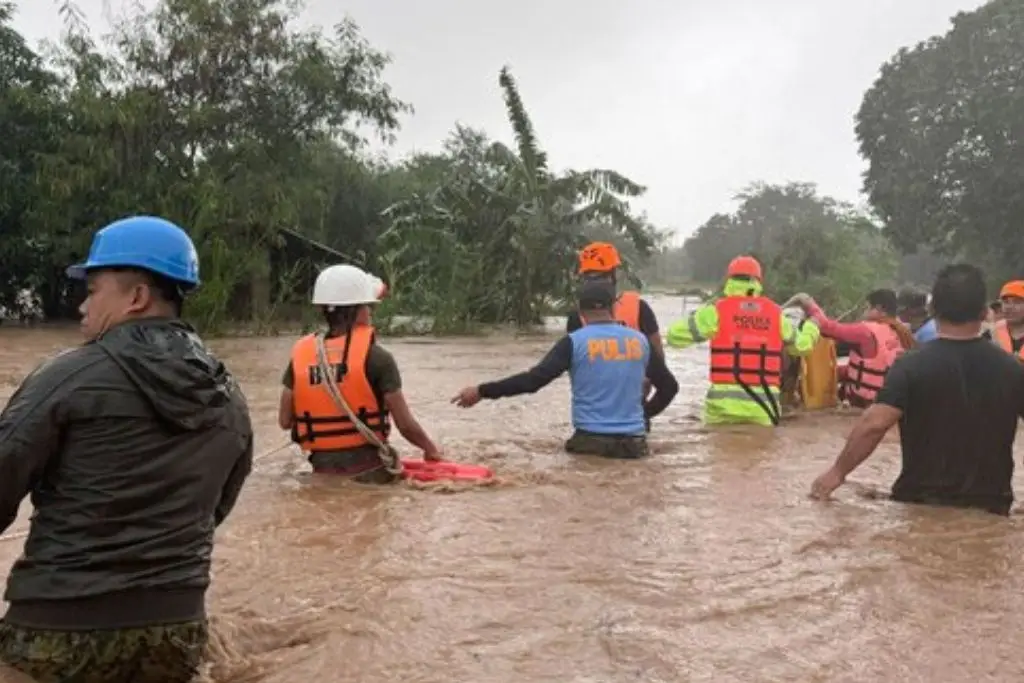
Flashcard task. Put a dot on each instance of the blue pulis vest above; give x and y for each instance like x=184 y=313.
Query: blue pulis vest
x=609 y=363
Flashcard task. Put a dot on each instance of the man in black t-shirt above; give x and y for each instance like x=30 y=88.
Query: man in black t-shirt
x=957 y=401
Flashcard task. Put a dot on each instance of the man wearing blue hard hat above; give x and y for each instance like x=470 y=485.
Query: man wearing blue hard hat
x=133 y=448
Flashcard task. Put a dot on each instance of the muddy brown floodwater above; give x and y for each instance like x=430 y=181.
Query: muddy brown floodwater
x=705 y=562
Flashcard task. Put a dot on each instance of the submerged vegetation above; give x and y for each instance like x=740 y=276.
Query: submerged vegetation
x=224 y=116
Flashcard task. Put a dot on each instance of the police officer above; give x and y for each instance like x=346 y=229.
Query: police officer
x=748 y=335
x=134 y=447
x=607 y=362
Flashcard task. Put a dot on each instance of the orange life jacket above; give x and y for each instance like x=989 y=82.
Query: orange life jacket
x=1001 y=335
x=320 y=425
x=747 y=350
x=627 y=309
x=865 y=376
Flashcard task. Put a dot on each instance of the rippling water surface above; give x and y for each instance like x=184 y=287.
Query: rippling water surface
x=705 y=562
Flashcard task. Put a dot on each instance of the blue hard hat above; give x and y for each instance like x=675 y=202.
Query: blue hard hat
x=144 y=242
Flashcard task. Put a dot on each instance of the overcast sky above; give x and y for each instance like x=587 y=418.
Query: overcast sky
x=692 y=98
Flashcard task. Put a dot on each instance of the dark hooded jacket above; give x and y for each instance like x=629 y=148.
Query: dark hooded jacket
x=132 y=448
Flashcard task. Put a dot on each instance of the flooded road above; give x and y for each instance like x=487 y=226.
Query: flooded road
x=705 y=562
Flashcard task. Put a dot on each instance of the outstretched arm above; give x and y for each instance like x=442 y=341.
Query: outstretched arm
x=701 y=325
x=799 y=341
x=878 y=419
x=550 y=368
x=857 y=334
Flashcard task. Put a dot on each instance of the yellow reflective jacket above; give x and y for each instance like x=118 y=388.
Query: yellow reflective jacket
x=731 y=403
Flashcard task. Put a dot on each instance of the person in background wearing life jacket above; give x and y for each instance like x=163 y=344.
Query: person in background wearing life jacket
x=748 y=335
x=958 y=402
x=1008 y=333
x=875 y=343
x=134 y=448
x=913 y=311
x=368 y=381
x=600 y=261
x=607 y=362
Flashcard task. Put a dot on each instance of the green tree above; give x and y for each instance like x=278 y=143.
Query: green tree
x=943 y=131
x=495 y=238
x=919 y=267
x=669 y=267
x=223 y=116
x=29 y=126
x=805 y=242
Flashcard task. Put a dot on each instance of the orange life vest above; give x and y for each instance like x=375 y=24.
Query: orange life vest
x=320 y=425
x=627 y=310
x=747 y=350
x=865 y=376
x=1001 y=335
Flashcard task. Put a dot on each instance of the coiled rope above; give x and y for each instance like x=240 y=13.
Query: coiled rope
x=387 y=454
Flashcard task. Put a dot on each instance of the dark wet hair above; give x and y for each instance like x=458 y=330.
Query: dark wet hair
x=168 y=290
x=596 y=295
x=341 y=318
x=884 y=299
x=912 y=300
x=959 y=294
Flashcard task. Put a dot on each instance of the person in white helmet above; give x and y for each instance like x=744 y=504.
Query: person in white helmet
x=342 y=390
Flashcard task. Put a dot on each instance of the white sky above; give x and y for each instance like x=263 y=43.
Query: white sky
x=692 y=99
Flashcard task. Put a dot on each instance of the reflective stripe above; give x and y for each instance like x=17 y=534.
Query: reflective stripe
x=716 y=393
x=691 y=323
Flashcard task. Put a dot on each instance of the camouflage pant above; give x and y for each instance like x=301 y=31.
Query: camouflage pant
x=156 y=654
x=607 y=446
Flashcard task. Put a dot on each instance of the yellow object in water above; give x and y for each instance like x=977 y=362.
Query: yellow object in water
x=819 y=381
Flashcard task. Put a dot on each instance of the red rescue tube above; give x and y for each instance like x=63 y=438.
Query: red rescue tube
x=427 y=470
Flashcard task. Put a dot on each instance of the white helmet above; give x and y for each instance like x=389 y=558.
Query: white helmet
x=346 y=285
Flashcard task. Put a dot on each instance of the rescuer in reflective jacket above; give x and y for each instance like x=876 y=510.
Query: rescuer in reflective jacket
x=367 y=379
x=748 y=333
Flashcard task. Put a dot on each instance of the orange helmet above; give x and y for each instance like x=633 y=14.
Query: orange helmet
x=1013 y=289
x=599 y=257
x=745 y=266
